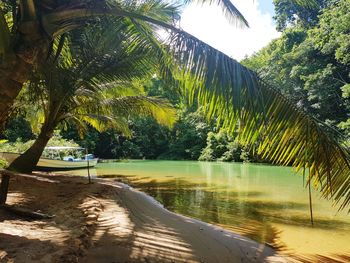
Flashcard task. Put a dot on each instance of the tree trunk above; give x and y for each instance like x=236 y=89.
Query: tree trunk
x=12 y=76
x=29 y=50
x=27 y=161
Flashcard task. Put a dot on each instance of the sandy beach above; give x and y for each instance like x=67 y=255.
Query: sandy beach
x=110 y=222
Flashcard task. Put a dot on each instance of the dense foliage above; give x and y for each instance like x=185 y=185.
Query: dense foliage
x=310 y=63
x=18 y=128
x=294 y=12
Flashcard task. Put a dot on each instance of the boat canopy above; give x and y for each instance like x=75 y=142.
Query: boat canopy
x=58 y=148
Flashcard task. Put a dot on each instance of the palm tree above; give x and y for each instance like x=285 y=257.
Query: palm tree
x=282 y=132
x=28 y=29
x=96 y=82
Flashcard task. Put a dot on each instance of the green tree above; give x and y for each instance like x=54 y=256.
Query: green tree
x=17 y=128
x=294 y=12
x=151 y=138
x=222 y=147
x=188 y=137
x=310 y=65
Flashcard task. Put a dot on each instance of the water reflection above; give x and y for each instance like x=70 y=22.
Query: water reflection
x=239 y=211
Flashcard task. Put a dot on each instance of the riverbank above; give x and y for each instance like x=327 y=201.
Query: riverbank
x=109 y=222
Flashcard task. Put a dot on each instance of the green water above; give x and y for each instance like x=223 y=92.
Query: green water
x=265 y=203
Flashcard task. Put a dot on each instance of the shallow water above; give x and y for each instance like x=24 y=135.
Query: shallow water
x=265 y=203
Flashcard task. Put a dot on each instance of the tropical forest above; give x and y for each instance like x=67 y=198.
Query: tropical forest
x=174 y=131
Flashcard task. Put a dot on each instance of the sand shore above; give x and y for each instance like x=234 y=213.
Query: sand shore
x=111 y=222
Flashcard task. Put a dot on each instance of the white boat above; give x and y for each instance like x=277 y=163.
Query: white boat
x=54 y=162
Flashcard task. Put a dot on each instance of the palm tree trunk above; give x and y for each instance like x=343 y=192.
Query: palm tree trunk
x=27 y=161
x=13 y=74
x=29 y=50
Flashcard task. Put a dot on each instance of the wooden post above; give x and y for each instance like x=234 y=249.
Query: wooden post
x=88 y=164
x=4 y=187
x=310 y=204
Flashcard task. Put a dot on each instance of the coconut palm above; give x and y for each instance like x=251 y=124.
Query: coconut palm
x=97 y=83
x=28 y=29
x=282 y=132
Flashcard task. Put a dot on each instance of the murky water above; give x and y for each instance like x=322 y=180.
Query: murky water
x=265 y=203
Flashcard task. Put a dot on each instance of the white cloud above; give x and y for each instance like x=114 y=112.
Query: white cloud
x=208 y=24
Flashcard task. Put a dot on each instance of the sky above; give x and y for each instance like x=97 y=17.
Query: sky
x=208 y=24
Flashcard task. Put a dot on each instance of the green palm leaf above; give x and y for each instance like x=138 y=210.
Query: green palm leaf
x=72 y=16
x=229 y=10
x=134 y=106
x=104 y=122
x=96 y=88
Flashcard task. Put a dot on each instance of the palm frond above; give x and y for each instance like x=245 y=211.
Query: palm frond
x=156 y=12
x=71 y=120
x=114 y=54
x=158 y=9
x=122 y=88
x=292 y=137
x=62 y=52
x=229 y=10
x=102 y=123
x=283 y=133
x=135 y=106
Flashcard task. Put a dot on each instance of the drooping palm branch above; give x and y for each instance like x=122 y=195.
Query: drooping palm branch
x=114 y=113
x=229 y=10
x=283 y=133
